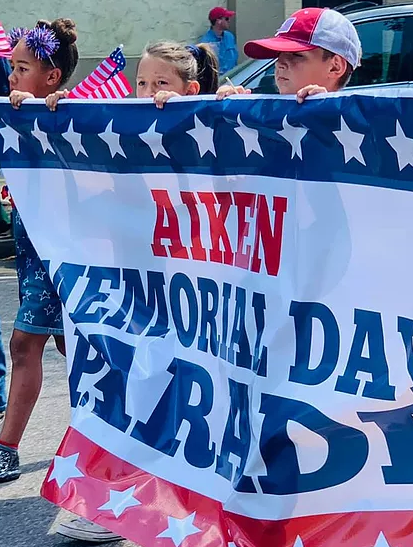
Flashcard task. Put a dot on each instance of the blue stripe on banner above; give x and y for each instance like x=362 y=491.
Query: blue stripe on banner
x=353 y=139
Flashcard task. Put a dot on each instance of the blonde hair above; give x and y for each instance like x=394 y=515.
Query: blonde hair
x=190 y=62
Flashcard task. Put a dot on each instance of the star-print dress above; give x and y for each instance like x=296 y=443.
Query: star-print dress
x=40 y=309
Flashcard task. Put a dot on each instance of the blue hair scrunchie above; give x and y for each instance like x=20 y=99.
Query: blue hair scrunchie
x=196 y=51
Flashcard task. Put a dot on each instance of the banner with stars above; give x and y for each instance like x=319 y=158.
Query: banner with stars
x=236 y=288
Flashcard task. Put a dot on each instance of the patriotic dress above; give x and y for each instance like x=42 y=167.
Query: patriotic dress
x=40 y=309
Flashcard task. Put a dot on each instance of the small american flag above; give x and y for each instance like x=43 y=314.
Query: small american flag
x=5 y=49
x=116 y=87
x=108 y=70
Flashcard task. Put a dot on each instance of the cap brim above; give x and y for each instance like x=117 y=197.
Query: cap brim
x=229 y=14
x=269 y=48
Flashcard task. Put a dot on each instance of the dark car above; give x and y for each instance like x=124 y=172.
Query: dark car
x=386 y=35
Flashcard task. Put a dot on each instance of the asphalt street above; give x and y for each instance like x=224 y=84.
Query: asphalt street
x=27 y=520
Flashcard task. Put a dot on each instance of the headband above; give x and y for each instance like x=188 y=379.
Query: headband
x=41 y=41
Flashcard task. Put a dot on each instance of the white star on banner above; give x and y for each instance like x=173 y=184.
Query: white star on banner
x=203 y=136
x=154 y=140
x=381 y=541
x=119 y=501
x=249 y=137
x=64 y=468
x=293 y=135
x=179 y=529
x=112 y=140
x=403 y=146
x=75 y=140
x=351 y=142
x=41 y=136
x=10 y=138
x=298 y=542
x=45 y=296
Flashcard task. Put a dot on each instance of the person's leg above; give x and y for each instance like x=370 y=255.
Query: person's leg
x=26 y=353
x=3 y=398
x=26 y=381
x=38 y=317
x=60 y=344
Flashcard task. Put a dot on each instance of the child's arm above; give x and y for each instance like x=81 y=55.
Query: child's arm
x=17 y=97
x=308 y=91
x=54 y=98
x=227 y=90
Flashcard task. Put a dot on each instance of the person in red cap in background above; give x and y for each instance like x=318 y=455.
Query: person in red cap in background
x=316 y=49
x=222 y=40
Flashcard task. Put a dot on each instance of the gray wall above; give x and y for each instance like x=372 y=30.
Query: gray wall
x=104 y=24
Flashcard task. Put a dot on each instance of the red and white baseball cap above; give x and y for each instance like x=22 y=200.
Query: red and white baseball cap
x=309 y=29
x=219 y=12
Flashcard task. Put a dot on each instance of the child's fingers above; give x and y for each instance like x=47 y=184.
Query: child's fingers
x=224 y=91
x=17 y=97
x=16 y=101
x=50 y=103
x=301 y=95
x=160 y=99
x=307 y=91
x=227 y=90
x=316 y=90
x=52 y=100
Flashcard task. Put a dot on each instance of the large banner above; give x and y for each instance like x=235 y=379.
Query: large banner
x=238 y=303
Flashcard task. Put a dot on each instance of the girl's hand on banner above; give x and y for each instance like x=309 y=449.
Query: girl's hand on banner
x=163 y=96
x=54 y=98
x=227 y=90
x=17 y=97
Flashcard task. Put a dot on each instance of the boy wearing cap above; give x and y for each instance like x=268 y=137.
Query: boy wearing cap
x=316 y=49
x=222 y=40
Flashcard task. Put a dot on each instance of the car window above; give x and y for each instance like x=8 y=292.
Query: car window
x=264 y=81
x=387 y=51
x=233 y=73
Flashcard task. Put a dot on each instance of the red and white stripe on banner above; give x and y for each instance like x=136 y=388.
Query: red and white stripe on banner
x=89 y=481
